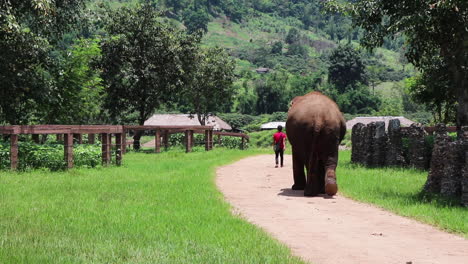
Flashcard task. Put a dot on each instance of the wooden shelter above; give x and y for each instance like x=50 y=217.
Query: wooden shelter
x=186 y=120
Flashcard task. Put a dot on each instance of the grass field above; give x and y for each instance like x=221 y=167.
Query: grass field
x=155 y=209
x=165 y=209
x=399 y=190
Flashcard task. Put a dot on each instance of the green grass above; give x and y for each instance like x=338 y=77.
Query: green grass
x=399 y=190
x=157 y=208
x=164 y=208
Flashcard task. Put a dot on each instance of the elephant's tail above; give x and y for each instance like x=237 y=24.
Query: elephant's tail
x=310 y=149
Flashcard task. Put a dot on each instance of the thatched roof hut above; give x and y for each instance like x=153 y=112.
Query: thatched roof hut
x=186 y=120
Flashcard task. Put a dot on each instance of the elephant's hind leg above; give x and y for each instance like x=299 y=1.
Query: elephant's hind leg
x=331 y=186
x=298 y=170
x=321 y=176
x=312 y=187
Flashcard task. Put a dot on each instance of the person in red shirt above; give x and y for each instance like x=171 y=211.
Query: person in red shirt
x=279 y=144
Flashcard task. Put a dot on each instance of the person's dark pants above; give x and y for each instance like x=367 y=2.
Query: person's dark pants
x=280 y=153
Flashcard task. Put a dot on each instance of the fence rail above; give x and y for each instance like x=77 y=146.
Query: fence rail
x=68 y=133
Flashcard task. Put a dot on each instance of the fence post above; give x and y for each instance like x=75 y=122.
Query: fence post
x=207 y=139
x=243 y=143
x=219 y=140
x=91 y=139
x=124 y=142
x=188 y=141
x=68 y=150
x=105 y=139
x=166 y=139
x=118 y=149
x=192 y=138
x=14 y=152
x=157 y=142
x=211 y=139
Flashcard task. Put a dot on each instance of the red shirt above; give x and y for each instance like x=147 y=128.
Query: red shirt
x=279 y=137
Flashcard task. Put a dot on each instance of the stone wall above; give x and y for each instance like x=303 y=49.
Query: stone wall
x=418 y=156
x=372 y=146
x=394 y=156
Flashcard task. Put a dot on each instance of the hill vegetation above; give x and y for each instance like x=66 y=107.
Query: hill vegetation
x=296 y=46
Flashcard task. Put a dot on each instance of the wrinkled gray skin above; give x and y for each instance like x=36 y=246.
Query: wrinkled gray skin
x=315 y=128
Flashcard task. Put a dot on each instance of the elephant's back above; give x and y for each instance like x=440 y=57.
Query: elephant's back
x=315 y=113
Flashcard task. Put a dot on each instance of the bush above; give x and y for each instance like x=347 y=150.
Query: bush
x=177 y=140
x=232 y=142
x=262 y=139
x=49 y=156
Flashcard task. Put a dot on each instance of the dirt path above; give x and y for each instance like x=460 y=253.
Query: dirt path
x=149 y=144
x=338 y=230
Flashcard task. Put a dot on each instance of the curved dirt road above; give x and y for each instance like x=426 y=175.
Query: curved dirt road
x=337 y=230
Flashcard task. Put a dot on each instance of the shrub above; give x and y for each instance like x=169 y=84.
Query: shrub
x=49 y=156
x=177 y=140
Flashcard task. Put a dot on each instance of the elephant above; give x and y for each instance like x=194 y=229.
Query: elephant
x=315 y=127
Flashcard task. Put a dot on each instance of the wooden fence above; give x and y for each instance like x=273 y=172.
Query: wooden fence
x=68 y=133
x=162 y=133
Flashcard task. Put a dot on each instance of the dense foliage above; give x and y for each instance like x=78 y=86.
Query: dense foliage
x=435 y=31
x=120 y=61
x=144 y=61
x=50 y=156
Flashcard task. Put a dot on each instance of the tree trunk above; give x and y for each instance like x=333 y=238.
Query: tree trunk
x=139 y=133
x=461 y=85
x=462 y=95
x=136 y=139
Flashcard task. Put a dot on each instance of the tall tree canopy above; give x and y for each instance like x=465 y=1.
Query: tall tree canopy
x=29 y=29
x=144 y=61
x=346 y=68
x=432 y=28
x=210 y=89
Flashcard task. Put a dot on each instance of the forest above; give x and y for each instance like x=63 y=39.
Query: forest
x=118 y=62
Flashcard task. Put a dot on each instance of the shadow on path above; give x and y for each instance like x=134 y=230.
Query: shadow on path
x=300 y=193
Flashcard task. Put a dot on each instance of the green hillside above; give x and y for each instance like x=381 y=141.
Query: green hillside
x=294 y=41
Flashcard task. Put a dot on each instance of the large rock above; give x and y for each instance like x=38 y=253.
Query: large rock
x=439 y=154
x=358 y=147
x=394 y=155
x=418 y=157
x=380 y=145
x=450 y=183
x=369 y=143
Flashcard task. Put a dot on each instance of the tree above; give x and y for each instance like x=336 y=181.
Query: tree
x=357 y=100
x=293 y=36
x=246 y=99
x=432 y=28
x=432 y=88
x=210 y=88
x=196 y=19
x=346 y=68
x=277 y=48
x=77 y=87
x=297 y=50
x=144 y=61
x=29 y=32
x=373 y=75
x=271 y=93
x=301 y=85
